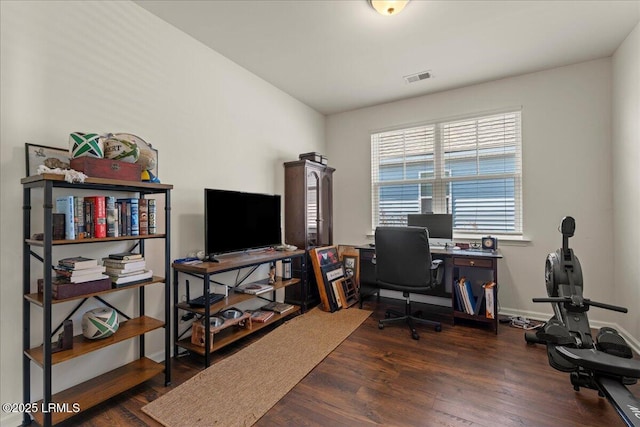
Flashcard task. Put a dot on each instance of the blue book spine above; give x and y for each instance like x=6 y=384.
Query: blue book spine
x=472 y=299
x=135 y=218
x=459 y=300
x=65 y=205
x=133 y=214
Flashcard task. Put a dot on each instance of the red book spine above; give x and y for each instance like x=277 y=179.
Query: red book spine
x=99 y=216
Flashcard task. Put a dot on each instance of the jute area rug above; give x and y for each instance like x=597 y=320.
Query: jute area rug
x=240 y=389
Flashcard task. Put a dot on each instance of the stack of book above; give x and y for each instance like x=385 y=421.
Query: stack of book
x=79 y=270
x=254 y=288
x=277 y=307
x=126 y=268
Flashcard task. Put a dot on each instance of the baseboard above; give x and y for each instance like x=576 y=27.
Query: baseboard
x=595 y=324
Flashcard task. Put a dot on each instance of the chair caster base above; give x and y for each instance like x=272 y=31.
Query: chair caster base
x=438 y=328
x=380 y=325
x=415 y=335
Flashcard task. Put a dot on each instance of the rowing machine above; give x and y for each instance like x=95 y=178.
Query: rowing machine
x=605 y=363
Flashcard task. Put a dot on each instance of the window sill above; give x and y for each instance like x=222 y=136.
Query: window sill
x=507 y=239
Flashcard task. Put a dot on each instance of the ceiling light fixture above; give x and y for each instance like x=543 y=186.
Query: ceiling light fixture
x=388 y=7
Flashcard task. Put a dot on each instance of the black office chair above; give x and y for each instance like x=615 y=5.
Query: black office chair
x=403 y=263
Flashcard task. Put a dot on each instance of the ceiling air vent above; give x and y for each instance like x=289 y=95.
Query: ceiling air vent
x=417 y=77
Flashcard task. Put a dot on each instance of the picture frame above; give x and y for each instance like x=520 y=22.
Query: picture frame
x=36 y=155
x=351 y=262
x=349 y=291
x=327 y=255
x=331 y=274
x=327 y=268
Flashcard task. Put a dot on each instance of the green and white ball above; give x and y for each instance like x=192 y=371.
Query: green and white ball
x=121 y=149
x=86 y=144
x=99 y=323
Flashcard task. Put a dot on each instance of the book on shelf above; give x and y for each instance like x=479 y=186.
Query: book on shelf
x=63 y=270
x=78 y=262
x=254 y=288
x=131 y=279
x=151 y=216
x=89 y=226
x=143 y=214
x=58 y=226
x=466 y=303
x=261 y=316
x=86 y=278
x=490 y=305
x=99 y=221
x=112 y=217
x=133 y=215
x=116 y=272
x=277 y=307
x=126 y=256
x=458 y=295
x=78 y=217
x=124 y=265
x=65 y=205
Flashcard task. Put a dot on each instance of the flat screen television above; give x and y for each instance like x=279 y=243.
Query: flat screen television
x=235 y=221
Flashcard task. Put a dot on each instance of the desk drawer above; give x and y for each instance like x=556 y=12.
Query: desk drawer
x=473 y=262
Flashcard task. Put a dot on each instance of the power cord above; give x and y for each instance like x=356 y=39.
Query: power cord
x=524 y=323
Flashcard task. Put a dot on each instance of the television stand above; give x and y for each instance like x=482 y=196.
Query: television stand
x=232 y=263
x=211 y=258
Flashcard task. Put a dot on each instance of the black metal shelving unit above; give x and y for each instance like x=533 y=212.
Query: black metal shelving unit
x=134 y=372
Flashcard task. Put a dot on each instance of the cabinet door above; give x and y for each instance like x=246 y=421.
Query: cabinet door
x=325 y=223
x=312 y=207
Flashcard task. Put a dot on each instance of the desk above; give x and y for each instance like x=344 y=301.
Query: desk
x=478 y=265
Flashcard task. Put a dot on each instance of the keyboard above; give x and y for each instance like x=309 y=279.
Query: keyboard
x=199 y=302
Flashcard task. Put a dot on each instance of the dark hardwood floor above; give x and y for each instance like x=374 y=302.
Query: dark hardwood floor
x=462 y=376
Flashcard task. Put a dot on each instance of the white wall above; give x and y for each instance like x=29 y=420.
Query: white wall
x=113 y=67
x=567 y=170
x=626 y=184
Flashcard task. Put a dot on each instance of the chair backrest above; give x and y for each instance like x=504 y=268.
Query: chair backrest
x=403 y=259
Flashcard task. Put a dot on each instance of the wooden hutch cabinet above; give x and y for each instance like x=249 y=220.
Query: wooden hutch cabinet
x=308 y=212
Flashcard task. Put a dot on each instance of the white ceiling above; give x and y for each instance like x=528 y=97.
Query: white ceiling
x=340 y=55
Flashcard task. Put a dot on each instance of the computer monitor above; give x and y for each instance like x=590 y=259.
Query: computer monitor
x=440 y=227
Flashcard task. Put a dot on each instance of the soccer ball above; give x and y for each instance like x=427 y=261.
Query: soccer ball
x=99 y=323
x=86 y=144
x=119 y=147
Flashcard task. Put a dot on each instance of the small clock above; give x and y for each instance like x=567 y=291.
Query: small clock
x=489 y=243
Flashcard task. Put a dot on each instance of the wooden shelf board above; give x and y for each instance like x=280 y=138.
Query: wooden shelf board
x=81 y=345
x=236 y=261
x=34 y=242
x=477 y=318
x=103 y=387
x=235 y=298
x=38 y=298
x=229 y=335
x=117 y=183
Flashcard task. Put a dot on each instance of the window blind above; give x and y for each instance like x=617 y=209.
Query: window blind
x=470 y=168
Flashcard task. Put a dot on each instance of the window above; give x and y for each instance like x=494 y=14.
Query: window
x=470 y=168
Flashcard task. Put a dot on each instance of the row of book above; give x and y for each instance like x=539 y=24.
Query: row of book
x=80 y=217
x=468 y=303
